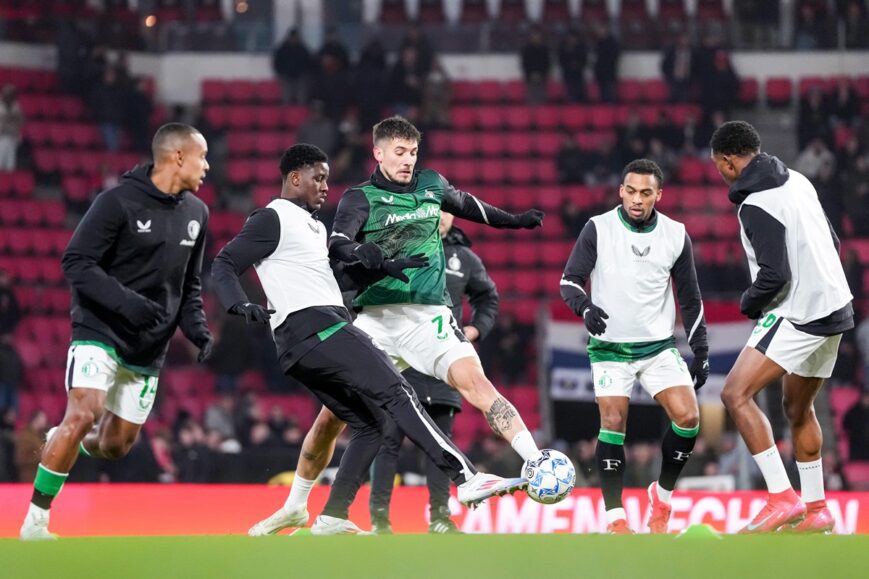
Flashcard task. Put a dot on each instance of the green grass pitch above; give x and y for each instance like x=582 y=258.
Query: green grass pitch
x=449 y=557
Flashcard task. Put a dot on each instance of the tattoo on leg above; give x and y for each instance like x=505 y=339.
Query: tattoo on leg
x=500 y=416
x=309 y=456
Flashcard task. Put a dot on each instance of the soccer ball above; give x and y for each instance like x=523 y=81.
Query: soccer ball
x=550 y=476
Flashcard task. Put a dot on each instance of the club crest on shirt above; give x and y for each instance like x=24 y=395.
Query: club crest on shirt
x=454 y=263
x=641 y=253
x=193 y=229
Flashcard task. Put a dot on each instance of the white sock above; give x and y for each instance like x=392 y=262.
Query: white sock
x=811 y=481
x=524 y=444
x=299 y=493
x=663 y=493
x=613 y=515
x=35 y=510
x=773 y=470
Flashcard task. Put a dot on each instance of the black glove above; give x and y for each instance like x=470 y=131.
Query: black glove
x=253 y=313
x=142 y=313
x=747 y=310
x=594 y=319
x=700 y=370
x=205 y=343
x=369 y=254
x=531 y=219
x=394 y=267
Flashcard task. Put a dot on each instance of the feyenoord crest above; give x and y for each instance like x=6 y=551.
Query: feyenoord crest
x=89 y=369
x=454 y=263
x=193 y=229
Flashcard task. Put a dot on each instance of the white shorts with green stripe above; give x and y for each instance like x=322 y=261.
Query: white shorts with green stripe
x=796 y=351
x=129 y=395
x=657 y=373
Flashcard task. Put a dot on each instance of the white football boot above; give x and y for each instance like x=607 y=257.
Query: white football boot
x=482 y=486
x=35 y=527
x=326 y=525
x=280 y=520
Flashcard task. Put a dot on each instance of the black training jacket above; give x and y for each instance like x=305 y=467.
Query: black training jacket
x=137 y=239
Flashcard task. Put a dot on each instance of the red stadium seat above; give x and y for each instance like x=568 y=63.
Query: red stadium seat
x=241 y=91
x=518 y=118
x=489 y=91
x=463 y=118
x=778 y=91
x=464 y=145
x=492 y=144
x=547 y=117
x=490 y=118
x=519 y=145
x=515 y=91
x=464 y=91
x=749 y=89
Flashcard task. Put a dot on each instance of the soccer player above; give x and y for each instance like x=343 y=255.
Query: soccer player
x=134 y=266
x=466 y=275
x=632 y=254
x=318 y=345
x=395 y=214
x=800 y=298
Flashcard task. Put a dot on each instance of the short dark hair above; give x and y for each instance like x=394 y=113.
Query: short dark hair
x=168 y=132
x=644 y=167
x=301 y=155
x=735 y=138
x=396 y=127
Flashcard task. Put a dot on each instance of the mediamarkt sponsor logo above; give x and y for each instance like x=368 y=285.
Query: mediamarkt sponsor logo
x=421 y=213
x=580 y=513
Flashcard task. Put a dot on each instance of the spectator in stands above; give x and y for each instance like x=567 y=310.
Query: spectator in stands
x=108 y=101
x=369 y=84
x=759 y=21
x=862 y=337
x=335 y=49
x=291 y=62
x=194 y=460
x=504 y=352
x=607 y=52
x=415 y=37
x=535 y=65
x=11 y=373
x=719 y=85
x=587 y=474
x=234 y=352
x=138 y=115
x=834 y=474
x=573 y=218
x=640 y=468
x=856 y=426
x=331 y=84
x=569 y=161
x=662 y=155
x=844 y=104
x=11 y=122
x=855 y=188
x=406 y=81
x=678 y=67
x=7 y=445
x=846 y=155
x=813 y=157
x=856 y=25
x=436 y=93
x=573 y=58
x=220 y=416
x=666 y=131
x=829 y=189
x=319 y=130
x=10 y=312
x=813 y=119
x=809 y=28
x=28 y=443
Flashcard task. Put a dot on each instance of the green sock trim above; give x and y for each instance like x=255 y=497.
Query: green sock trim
x=82 y=451
x=611 y=437
x=325 y=334
x=48 y=482
x=685 y=432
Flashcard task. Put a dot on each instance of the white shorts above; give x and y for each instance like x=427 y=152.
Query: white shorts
x=129 y=395
x=665 y=370
x=796 y=351
x=425 y=338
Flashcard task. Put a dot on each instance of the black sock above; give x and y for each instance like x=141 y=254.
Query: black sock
x=610 y=456
x=675 y=450
x=41 y=500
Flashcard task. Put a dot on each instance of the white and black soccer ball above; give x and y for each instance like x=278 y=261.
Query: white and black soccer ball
x=550 y=476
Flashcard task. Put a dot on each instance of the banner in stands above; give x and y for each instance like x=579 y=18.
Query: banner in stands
x=125 y=509
x=570 y=370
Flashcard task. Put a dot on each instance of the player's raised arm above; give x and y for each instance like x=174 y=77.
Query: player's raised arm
x=767 y=237
x=95 y=235
x=463 y=204
x=351 y=214
x=192 y=313
x=257 y=240
x=691 y=303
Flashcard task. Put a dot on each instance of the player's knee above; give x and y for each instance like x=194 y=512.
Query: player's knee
x=80 y=421
x=687 y=417
x=732 y=397
x=613 y=420
x=115 y=448
x=796 y=413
